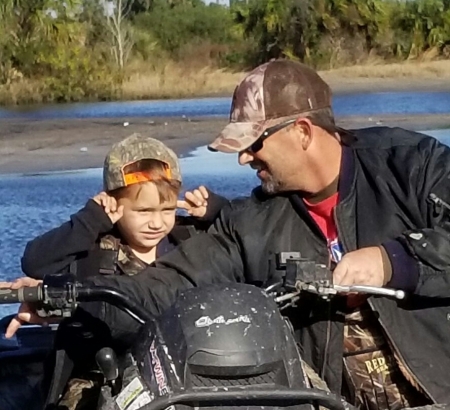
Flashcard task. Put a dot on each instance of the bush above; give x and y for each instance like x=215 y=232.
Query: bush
x=75 y=73
x=173 y=28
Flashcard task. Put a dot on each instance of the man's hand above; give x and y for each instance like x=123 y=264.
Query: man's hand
x=195 y=202
x=109 y=205
x=26 y=313
x=361 y=267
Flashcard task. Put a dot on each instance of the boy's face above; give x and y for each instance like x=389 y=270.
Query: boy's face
x=145 y=221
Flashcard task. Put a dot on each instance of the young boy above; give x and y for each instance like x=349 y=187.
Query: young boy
x=131 y=223
x=119 y=231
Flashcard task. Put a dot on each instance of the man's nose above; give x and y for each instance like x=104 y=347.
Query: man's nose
x=245 y=158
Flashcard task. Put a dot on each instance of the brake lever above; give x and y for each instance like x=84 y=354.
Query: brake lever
x=326 y=291
x=374 y=290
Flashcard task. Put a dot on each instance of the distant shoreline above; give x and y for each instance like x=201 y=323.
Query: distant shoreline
x=28 y=146
x=340 y=86
x=375 y=76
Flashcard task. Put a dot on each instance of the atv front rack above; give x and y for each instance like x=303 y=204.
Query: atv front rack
x=254 y=397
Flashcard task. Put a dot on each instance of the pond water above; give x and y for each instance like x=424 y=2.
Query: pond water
x=344 y=104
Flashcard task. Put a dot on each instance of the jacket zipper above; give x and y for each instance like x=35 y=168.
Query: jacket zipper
x=327 y=344
x=438 y=202
x=400 y=357
x=328 y=338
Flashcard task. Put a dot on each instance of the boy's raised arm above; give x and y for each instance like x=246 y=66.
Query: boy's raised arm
x=56 y=249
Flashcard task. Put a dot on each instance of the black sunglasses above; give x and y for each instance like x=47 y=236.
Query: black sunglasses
x=258 y=144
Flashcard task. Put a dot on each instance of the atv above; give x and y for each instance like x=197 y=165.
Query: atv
x=219 y=346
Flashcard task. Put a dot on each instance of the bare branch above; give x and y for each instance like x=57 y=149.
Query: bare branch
x=121 y=42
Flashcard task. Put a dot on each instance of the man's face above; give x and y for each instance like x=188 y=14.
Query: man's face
x=275 y=161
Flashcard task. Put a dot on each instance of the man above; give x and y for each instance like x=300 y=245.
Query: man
x=365 y=202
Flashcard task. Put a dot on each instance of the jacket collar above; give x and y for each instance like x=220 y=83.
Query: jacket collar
x=347 y=176
x=347 y=173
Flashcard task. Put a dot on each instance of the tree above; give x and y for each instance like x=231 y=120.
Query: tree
x=117 y=12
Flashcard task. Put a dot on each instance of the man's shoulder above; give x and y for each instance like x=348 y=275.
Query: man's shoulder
x=400 y=144
x=386 y=138
x=258 y=199
x=254 y=206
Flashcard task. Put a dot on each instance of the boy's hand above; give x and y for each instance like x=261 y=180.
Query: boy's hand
x=109 y=205
x=26 y=313
x=195 y=202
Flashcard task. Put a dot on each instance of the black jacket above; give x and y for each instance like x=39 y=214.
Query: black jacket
x=387 y=182
x=74 y=245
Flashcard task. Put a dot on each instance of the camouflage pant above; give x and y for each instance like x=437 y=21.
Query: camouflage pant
x=81 y=393
x=373 y=373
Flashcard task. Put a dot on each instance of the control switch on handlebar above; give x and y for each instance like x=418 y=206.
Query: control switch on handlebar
x=59 y=295
x=304 y=274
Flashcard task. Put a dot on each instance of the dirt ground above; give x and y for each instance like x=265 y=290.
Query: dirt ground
x=52 y=145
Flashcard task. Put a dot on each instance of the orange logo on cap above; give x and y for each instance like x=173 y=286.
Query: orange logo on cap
x=136 y=177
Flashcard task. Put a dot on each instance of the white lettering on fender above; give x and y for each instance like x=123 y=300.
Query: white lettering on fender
x=159 y=373
x=206 y=321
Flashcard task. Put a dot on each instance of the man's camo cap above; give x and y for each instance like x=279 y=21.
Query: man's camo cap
x=270 y=94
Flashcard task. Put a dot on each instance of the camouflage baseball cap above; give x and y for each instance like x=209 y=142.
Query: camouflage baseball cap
x=133 y=149
x=270 y=94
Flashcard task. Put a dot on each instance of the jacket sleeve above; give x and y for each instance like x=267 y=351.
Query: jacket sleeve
x=205 y=258
x=420 y=258
x=215 y=204
x=56 y=249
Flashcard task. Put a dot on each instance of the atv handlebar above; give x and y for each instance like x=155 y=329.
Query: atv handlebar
x=21 y=295
x=116 y=298
x=59 y=295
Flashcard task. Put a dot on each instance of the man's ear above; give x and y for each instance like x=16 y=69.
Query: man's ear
x=305 y=132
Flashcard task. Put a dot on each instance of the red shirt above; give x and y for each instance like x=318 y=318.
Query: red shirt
x=322 y=213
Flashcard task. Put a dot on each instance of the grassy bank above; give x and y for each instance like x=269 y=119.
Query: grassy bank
x=420 y=70
x=178 y=81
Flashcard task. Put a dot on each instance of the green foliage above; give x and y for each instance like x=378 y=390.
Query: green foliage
x=76 y=74
x=66 y=46
x=427 y=21
x=175 y=25
x=346 y=30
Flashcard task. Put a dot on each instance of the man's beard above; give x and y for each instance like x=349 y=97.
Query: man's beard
x=270 y=184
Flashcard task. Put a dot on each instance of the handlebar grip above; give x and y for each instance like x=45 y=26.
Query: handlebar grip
x=32 y=294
